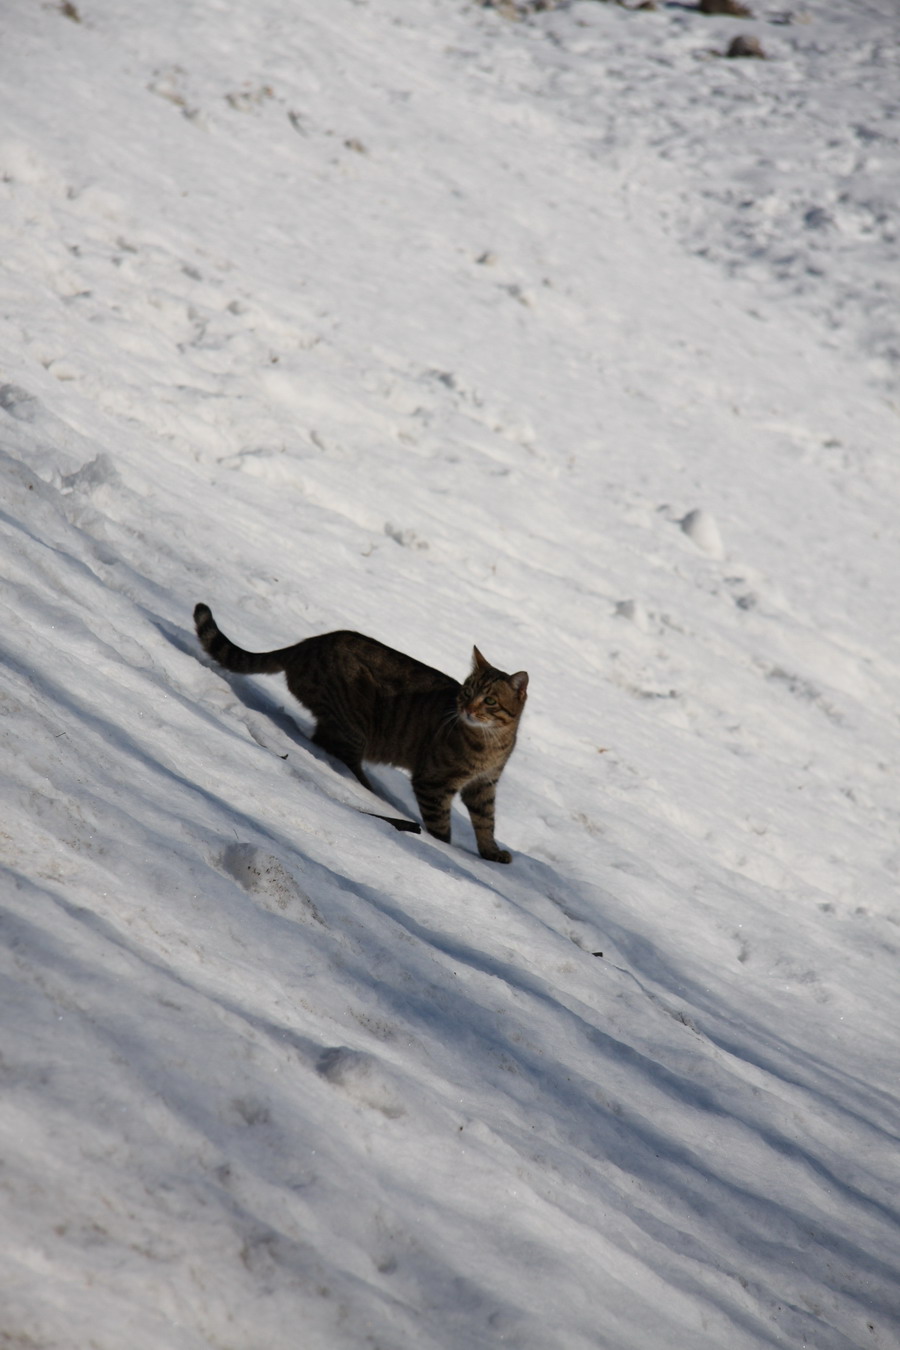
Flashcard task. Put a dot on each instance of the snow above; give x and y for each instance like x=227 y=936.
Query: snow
x=569 y=337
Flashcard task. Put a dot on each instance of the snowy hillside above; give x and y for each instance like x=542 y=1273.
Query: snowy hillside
x=570 y=337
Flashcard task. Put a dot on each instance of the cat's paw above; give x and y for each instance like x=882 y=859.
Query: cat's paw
x=497 y=855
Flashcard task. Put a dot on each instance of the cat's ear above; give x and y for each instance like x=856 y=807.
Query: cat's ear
x=519 y=682
x=478 y=661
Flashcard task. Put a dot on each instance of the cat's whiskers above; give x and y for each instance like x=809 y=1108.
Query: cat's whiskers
x=489 y=729
x=448 y=721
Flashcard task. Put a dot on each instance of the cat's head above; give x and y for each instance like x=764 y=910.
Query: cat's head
x=489 y=698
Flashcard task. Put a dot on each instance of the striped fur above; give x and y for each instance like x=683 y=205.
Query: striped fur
x=373 y=703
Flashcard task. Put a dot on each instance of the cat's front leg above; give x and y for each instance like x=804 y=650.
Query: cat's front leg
x=434 y=798
x=479 y=798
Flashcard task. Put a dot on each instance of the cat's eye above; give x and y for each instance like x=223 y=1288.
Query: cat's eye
x=490 y=701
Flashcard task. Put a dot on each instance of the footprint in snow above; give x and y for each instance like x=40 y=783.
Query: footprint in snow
x=21 y=405
x=266 y=878
x=363 y=1078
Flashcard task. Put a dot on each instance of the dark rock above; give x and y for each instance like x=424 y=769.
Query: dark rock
x=731 y=7
x=745 y=45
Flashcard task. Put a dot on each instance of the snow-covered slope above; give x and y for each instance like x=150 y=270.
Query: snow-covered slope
x=567 y=337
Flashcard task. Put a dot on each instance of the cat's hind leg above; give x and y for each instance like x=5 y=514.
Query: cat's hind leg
x=344 y=747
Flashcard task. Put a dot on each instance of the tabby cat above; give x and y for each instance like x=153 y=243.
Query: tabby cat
x=373 y=703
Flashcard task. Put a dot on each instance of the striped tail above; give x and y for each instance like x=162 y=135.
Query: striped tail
x=223 y=650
